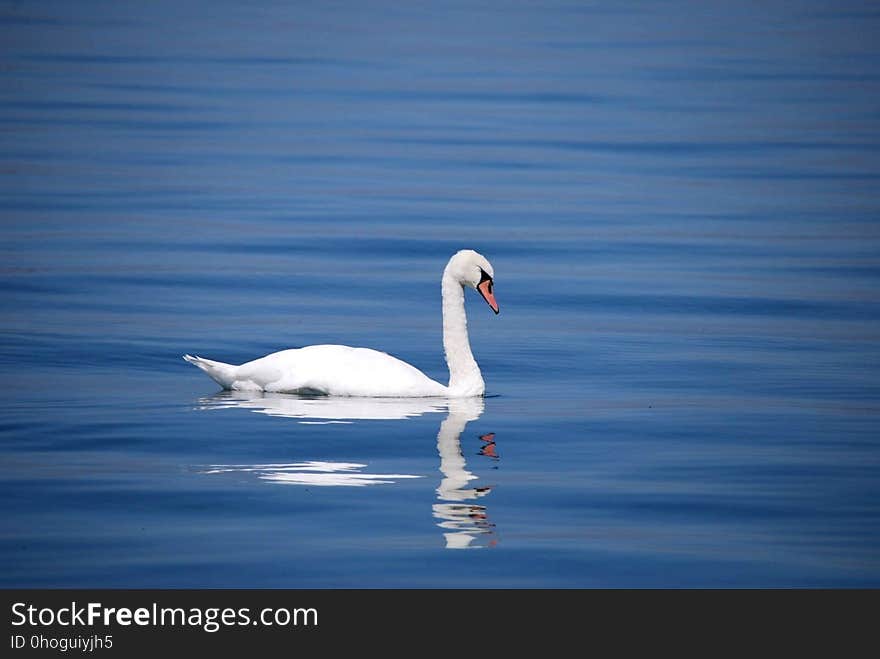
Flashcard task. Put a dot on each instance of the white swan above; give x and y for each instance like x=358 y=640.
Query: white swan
x=344 y=371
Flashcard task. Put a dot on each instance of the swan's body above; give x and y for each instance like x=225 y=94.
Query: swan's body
x=324 y=369
x=339 y=370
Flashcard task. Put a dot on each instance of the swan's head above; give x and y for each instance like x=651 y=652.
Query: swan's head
x=472 y=269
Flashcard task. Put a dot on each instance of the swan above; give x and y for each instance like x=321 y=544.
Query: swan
x=338 y=370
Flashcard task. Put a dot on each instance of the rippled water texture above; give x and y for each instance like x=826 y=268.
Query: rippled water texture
x=680 y=201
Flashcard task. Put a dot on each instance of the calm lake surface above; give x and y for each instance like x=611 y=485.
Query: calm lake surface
x=681 y=204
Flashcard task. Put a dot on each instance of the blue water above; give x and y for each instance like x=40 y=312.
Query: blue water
x=680 y=201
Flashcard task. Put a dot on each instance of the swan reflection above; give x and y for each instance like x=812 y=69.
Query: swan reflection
x=324 y=409
x=312 y=472
x=465 y=523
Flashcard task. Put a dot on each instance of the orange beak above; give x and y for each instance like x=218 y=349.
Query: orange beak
x=485 y=288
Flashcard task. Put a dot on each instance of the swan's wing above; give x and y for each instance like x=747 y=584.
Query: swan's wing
x=337 y=370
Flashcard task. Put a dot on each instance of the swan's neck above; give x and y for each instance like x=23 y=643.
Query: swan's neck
x=465 y=378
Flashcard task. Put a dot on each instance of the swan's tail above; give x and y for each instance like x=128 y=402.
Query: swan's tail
x=222 y=374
